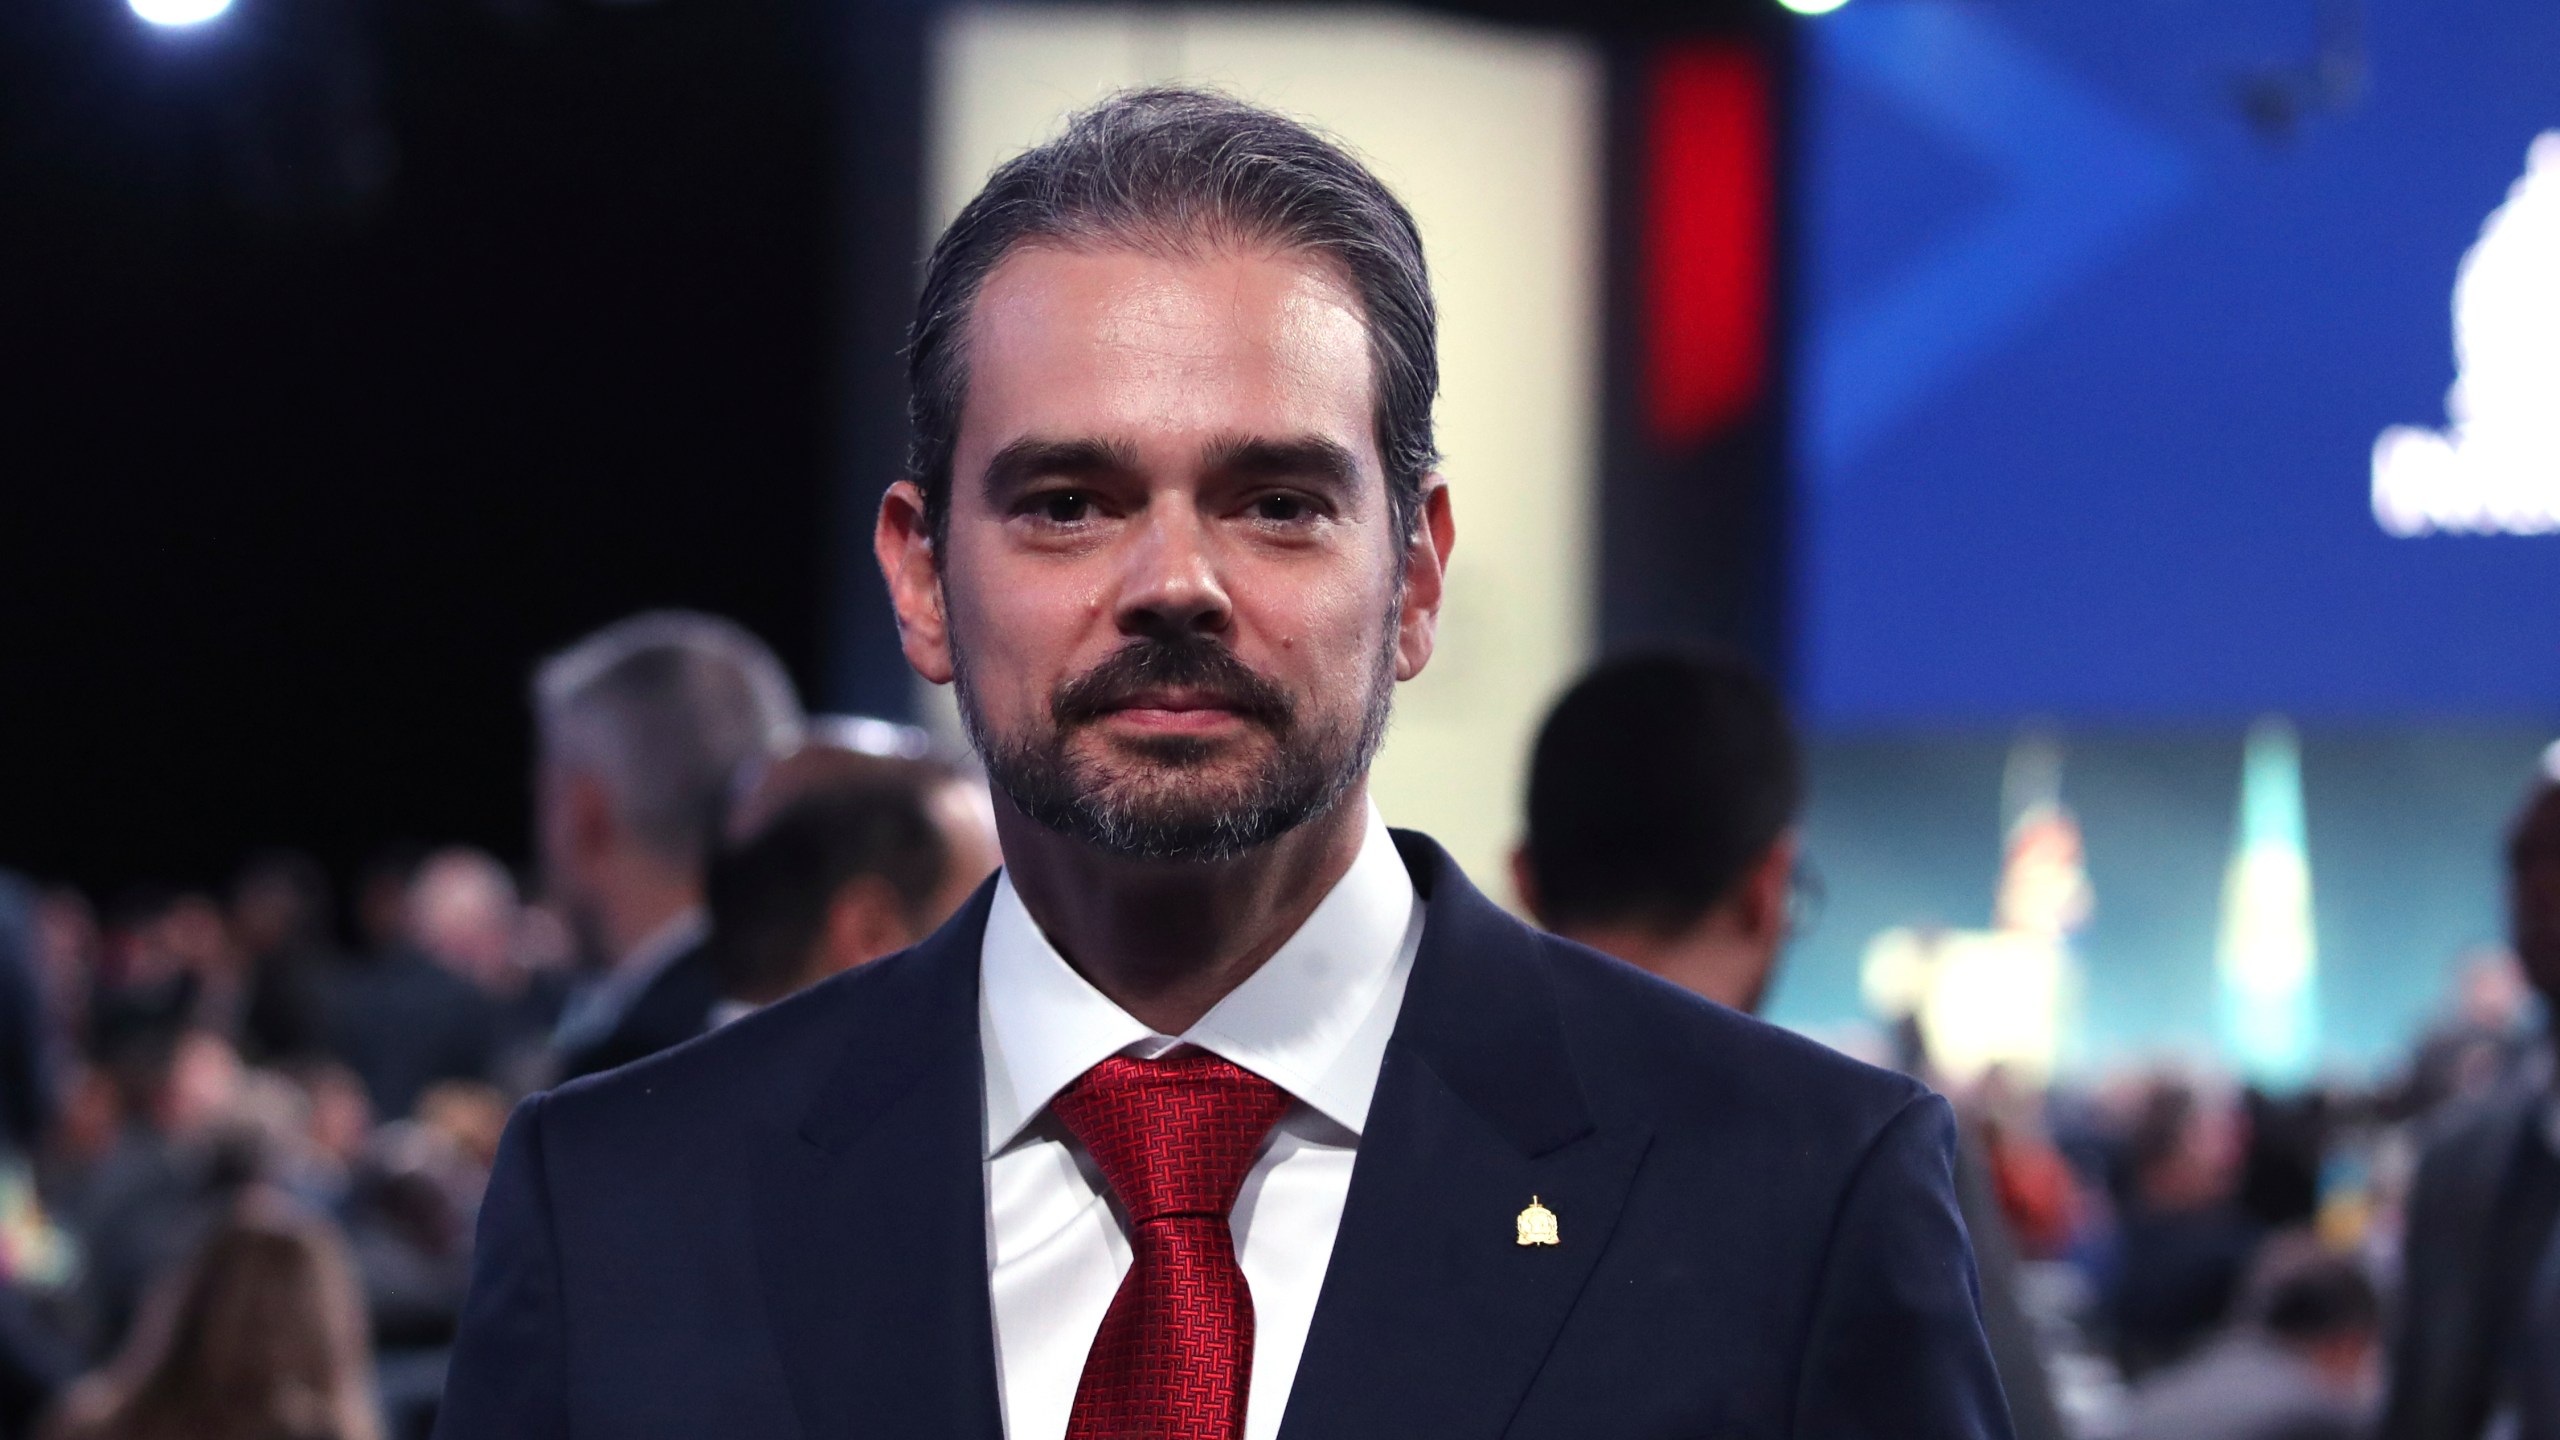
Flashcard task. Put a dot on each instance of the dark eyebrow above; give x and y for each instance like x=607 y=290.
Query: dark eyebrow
x=1032 y=458
x=1303 y=457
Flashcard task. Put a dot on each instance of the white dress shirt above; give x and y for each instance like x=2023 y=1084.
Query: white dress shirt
x=1313 y=1020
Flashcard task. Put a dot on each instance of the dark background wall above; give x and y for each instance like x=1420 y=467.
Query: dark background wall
x=355 y=359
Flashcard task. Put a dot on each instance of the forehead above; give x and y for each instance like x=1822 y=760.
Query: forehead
x=1166 y=350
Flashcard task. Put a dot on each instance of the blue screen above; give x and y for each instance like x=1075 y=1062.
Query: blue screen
x=2104 y=308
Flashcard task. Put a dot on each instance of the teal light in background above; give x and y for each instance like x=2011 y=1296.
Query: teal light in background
x=2267 y=960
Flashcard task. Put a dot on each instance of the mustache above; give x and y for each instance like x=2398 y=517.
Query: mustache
x=1188 y=662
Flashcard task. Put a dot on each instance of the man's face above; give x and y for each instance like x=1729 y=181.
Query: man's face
x=1169 y=582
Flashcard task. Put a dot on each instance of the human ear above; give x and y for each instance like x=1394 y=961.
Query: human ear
x=1763 y=893
x=1524 y=885
x=1426 y=575
x=864 y=922
x=902 y=541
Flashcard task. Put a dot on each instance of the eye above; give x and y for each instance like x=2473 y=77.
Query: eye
x=1063 y=507
x=1280 y=508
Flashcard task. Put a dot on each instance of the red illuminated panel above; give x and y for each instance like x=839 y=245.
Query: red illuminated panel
x=1707 y=240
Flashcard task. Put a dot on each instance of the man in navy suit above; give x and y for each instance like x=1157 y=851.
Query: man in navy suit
x=1221 y=1112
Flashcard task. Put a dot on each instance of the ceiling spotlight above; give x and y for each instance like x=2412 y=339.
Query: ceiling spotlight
x=1813 y=7
x=174 y=13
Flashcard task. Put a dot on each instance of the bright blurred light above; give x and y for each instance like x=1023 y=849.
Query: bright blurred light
x=178 y=12
x=1813 y=7
x=2495 y=469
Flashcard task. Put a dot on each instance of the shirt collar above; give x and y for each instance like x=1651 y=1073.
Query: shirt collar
x=1314 y=1019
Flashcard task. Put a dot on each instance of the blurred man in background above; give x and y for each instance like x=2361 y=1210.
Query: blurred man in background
x=1664 y=796
x=409 y=1015
x=2299 y=1366
x=644 y=730
x=2486 y=1205
x=2184 y=1238
x=841 y=857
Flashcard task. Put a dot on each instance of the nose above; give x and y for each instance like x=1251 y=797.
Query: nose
x=1173 y=585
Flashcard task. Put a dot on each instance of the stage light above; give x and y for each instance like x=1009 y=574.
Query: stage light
x=1813 y=7
x=174 y=13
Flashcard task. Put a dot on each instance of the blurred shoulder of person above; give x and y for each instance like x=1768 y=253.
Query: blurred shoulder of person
x=836 y=857
x=2300 y=1363
x=259 y=1336
x=2485 y=1205
x=643 y=731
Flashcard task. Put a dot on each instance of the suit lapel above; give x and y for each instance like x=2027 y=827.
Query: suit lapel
x=872 y=1218
x=1433 y=1319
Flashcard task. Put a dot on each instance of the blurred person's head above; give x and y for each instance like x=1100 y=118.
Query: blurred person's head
x=1663 y=796
x=851 y=867
x=2183 y=1146
x=643 y=729
x=160 y=936
x=198 y=936
x=264 y=1135
x=339 y=1108
x=202 y=1085
x=1171 y=522
x=280 y=902
x=2490 y=992
x=2533 y=889
x=260 y=1337
x=170 y=1077
x=382 y=894
x=469 y=1114
x=462 y=914
x=849 y=750
x=2319 y=1304
x=91 y=1117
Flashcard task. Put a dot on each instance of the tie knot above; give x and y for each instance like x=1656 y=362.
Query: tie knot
x=1174 y=1137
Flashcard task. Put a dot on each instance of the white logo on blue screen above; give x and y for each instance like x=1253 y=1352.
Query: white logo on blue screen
x=2495 y=469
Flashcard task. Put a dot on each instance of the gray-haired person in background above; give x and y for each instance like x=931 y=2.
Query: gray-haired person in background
x=644 y=729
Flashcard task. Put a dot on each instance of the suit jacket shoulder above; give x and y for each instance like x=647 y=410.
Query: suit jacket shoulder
x=1690 y=1064
x=779 y=1228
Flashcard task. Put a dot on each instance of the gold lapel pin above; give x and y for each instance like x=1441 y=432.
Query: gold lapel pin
x=1537 y=1224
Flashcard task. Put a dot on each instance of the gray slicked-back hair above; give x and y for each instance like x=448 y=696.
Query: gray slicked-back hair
x=1176 y=171
x=667 y=709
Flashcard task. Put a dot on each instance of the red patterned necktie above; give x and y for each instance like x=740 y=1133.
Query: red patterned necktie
x=1174 y=1138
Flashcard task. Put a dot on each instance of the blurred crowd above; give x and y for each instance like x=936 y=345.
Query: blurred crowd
x=243 y=1133
x=2165 y=1253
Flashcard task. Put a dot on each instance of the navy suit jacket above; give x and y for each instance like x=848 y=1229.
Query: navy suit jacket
x=780 y=1229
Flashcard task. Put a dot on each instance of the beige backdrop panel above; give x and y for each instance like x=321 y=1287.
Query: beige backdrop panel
x=1491 y=135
